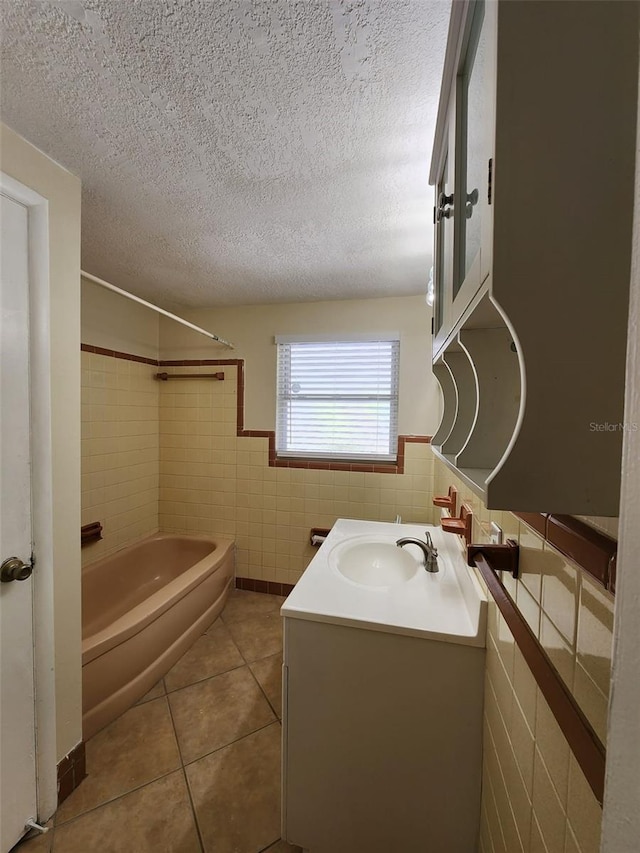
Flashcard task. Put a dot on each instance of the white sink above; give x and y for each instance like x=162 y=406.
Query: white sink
x=373 y=562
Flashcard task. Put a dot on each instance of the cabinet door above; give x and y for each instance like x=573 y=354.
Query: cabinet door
x=473 y=151
x=444 y=239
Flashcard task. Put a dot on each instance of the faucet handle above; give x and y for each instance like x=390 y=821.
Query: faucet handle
x=430 y=543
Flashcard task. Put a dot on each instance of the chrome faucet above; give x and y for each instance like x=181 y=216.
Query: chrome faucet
x=428 y=549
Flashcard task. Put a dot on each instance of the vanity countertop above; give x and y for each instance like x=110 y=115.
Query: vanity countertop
x=448 y=605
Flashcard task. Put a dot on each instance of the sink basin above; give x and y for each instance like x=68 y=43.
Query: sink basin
x=373 y=562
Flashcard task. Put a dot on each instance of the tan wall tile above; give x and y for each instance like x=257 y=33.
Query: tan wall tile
x=529 y=608
x=531 y=569
x=595 y=633
x=553 y=748
x=583 y=810
x=592 y=701
x=120 y=454
x=536 y=841
x=549 y=812
x=523 y=743
x=560 y=653
x=560 y=593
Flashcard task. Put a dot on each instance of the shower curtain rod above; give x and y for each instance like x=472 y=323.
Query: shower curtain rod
x=153 y=307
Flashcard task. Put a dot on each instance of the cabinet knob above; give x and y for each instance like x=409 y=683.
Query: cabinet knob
x=472 y=200
x=444 y=211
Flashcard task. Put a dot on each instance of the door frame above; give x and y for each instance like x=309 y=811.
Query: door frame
x=42 y=491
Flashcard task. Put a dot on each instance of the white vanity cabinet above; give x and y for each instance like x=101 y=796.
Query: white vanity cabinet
x=382 y=739
x=382 y=707
x=533 y=168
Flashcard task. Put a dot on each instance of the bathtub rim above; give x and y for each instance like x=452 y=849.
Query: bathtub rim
x=136 y=619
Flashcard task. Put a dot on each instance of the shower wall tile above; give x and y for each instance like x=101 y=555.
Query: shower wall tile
x=120 y=451
x=215 y=482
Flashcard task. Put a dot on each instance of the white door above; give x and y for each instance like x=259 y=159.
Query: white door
x=17 y=710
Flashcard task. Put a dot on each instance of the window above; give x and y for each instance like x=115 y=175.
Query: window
x=338 y=399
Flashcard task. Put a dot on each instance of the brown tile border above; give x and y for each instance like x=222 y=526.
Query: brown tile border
x=270 y=435
x=71 y=771
x=594 y=552
x=583 y=741
x=270 y=587
x=241 y=432
x=199 y=362
x=127 y=356
x=536 y=520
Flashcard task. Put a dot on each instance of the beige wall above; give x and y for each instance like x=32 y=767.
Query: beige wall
x=117 y=323
x=120 y=451
x=251 y=329
x=535 y=797
x=31 y=167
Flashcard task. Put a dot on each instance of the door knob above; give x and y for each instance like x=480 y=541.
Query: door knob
x=14 y=569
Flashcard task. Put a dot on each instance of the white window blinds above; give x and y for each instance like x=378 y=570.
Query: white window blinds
x=338 y=399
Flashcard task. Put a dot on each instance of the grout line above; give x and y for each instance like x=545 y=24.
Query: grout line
x=205 y=678
x=184 y=775
x=118 y=797
x=278 y=717
x=269 y=846
x=236 y=740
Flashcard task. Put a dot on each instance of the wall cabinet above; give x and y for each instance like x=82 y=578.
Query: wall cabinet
x=533 y=168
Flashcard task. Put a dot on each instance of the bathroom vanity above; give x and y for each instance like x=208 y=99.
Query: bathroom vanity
x=382 y=696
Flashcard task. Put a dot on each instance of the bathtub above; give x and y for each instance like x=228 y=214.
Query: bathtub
x=142 y=608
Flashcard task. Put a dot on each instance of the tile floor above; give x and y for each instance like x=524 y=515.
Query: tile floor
x=194 y=767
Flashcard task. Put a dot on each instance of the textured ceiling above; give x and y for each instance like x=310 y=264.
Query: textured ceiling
x=237 y=152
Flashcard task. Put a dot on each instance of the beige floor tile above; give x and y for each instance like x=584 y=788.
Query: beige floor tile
x=258 y=637
x=213 y=653
x=215 y=712
x=242 y=604
x=283 y=847
x=268 y=673
x=236 y=794
x=156 y=691
x=157 y=817
x=136 y=748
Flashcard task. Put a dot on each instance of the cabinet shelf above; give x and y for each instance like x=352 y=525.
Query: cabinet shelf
x=461 y=369
x=485 y=371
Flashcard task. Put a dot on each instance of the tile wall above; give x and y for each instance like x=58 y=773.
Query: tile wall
x=213 y=481
x=120 y=451
x=535 y=797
